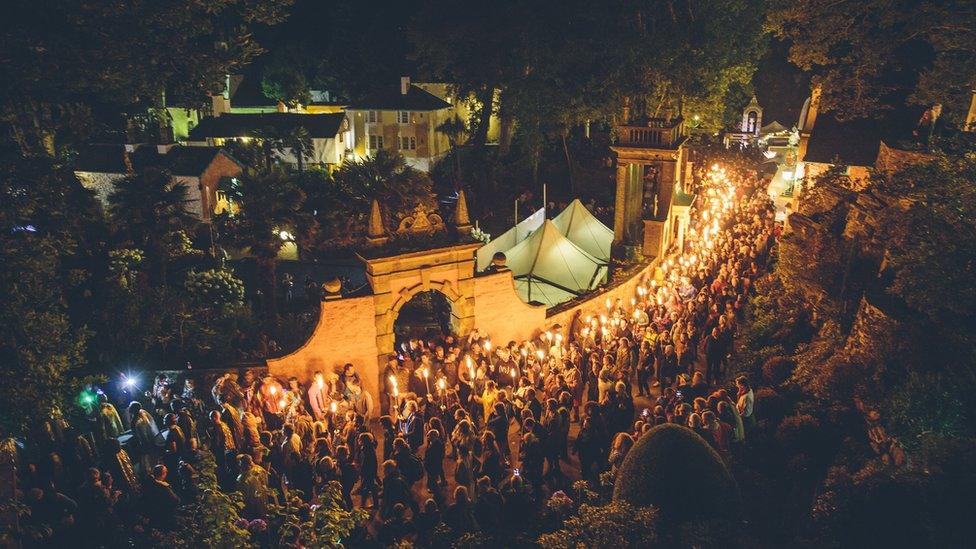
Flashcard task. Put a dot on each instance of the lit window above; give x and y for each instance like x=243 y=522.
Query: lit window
x=403 y=117
x=375 y=142
x=371 y=117
x=408 y=143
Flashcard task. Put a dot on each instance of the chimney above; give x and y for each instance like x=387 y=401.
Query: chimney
x=404 y=85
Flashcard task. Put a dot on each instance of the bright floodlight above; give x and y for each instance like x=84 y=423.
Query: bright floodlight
x=129 y=382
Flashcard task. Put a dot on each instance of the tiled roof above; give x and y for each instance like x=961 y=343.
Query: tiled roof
x=416 y=99
x=252 y=125
x=856 y=142
x=110 y=158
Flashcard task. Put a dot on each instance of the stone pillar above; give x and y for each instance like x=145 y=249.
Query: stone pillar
x=620 y=204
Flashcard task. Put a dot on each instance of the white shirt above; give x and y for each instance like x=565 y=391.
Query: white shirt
x=746 y=403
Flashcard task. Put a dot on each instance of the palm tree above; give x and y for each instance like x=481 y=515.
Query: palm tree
x=147 y=208
x=266 y=204
x=385 y=177
x=455 y=130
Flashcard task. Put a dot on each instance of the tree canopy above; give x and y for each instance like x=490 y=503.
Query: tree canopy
x=866 y=55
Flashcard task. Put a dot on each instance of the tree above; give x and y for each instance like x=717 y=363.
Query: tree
x=871 y=55
x=149 y=210
x=265 y=204
x=62 y=58
x=455 y=130
x=286 y=84
x=385 y=177
x=51 y=237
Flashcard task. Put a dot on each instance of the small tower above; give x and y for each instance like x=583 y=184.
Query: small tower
x=752 y=117
x=461 y=218
x=376 y=233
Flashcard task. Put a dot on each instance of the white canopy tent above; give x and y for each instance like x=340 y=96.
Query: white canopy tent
x=509 y=238
x=586 y=231
x=550 y=269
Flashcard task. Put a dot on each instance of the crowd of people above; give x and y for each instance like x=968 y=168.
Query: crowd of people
x=471 y=433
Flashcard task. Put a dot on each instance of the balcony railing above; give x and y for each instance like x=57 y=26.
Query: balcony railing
x=657 y=132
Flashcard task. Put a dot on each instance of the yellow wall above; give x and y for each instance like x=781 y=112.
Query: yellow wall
x=430 y=143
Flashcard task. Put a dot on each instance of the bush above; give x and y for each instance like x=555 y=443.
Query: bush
x=216 y=288
x=675 y=470
x=799 y=434
x=777 y=369
x=615 y=525
x=771 y=405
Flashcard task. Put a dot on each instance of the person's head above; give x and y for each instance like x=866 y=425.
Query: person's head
x=386 y=422
x=694 y=421
x=483 y=485
x=170 y=420
x=461 y=495
x=742 y=382
x=288 y=429
x=697 y=378
x=134 y=408
x=400 y=444
x=389 y=468
x=433 y=435
x=365 y=440
x=159 y=472
x=430 y=506
x=708 y=418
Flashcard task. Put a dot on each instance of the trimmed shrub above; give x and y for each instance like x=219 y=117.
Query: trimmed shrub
x=799 y=434
x=778 y=369
x=771 y=405
x=677 y=471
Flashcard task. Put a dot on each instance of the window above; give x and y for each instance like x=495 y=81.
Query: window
x=408 y=143
x=371 y=117
x=375 y=142
x=403 y=117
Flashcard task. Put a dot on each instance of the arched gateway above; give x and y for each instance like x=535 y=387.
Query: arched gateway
x=359 y=328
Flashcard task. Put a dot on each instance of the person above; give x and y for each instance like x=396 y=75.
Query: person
x=586 y=449
x=318 y=396
x=719 y=433
x=746 y=402
x=714 y=354
x=395 y=490
x=109 y=424
x=144 y=436
x=120 y=465
x=368 y=467
x=176 y=447
x=488 y=506
x=434 y=462
x=425 y=522
x=459 y=515
x=252 y=483
x=161 y=501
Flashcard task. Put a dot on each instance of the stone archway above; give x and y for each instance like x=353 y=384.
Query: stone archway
x=426 y=312
x=398 y=279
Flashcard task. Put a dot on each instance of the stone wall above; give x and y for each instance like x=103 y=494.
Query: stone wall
x=346 y=332
x=501 y=313
x=561 y=320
